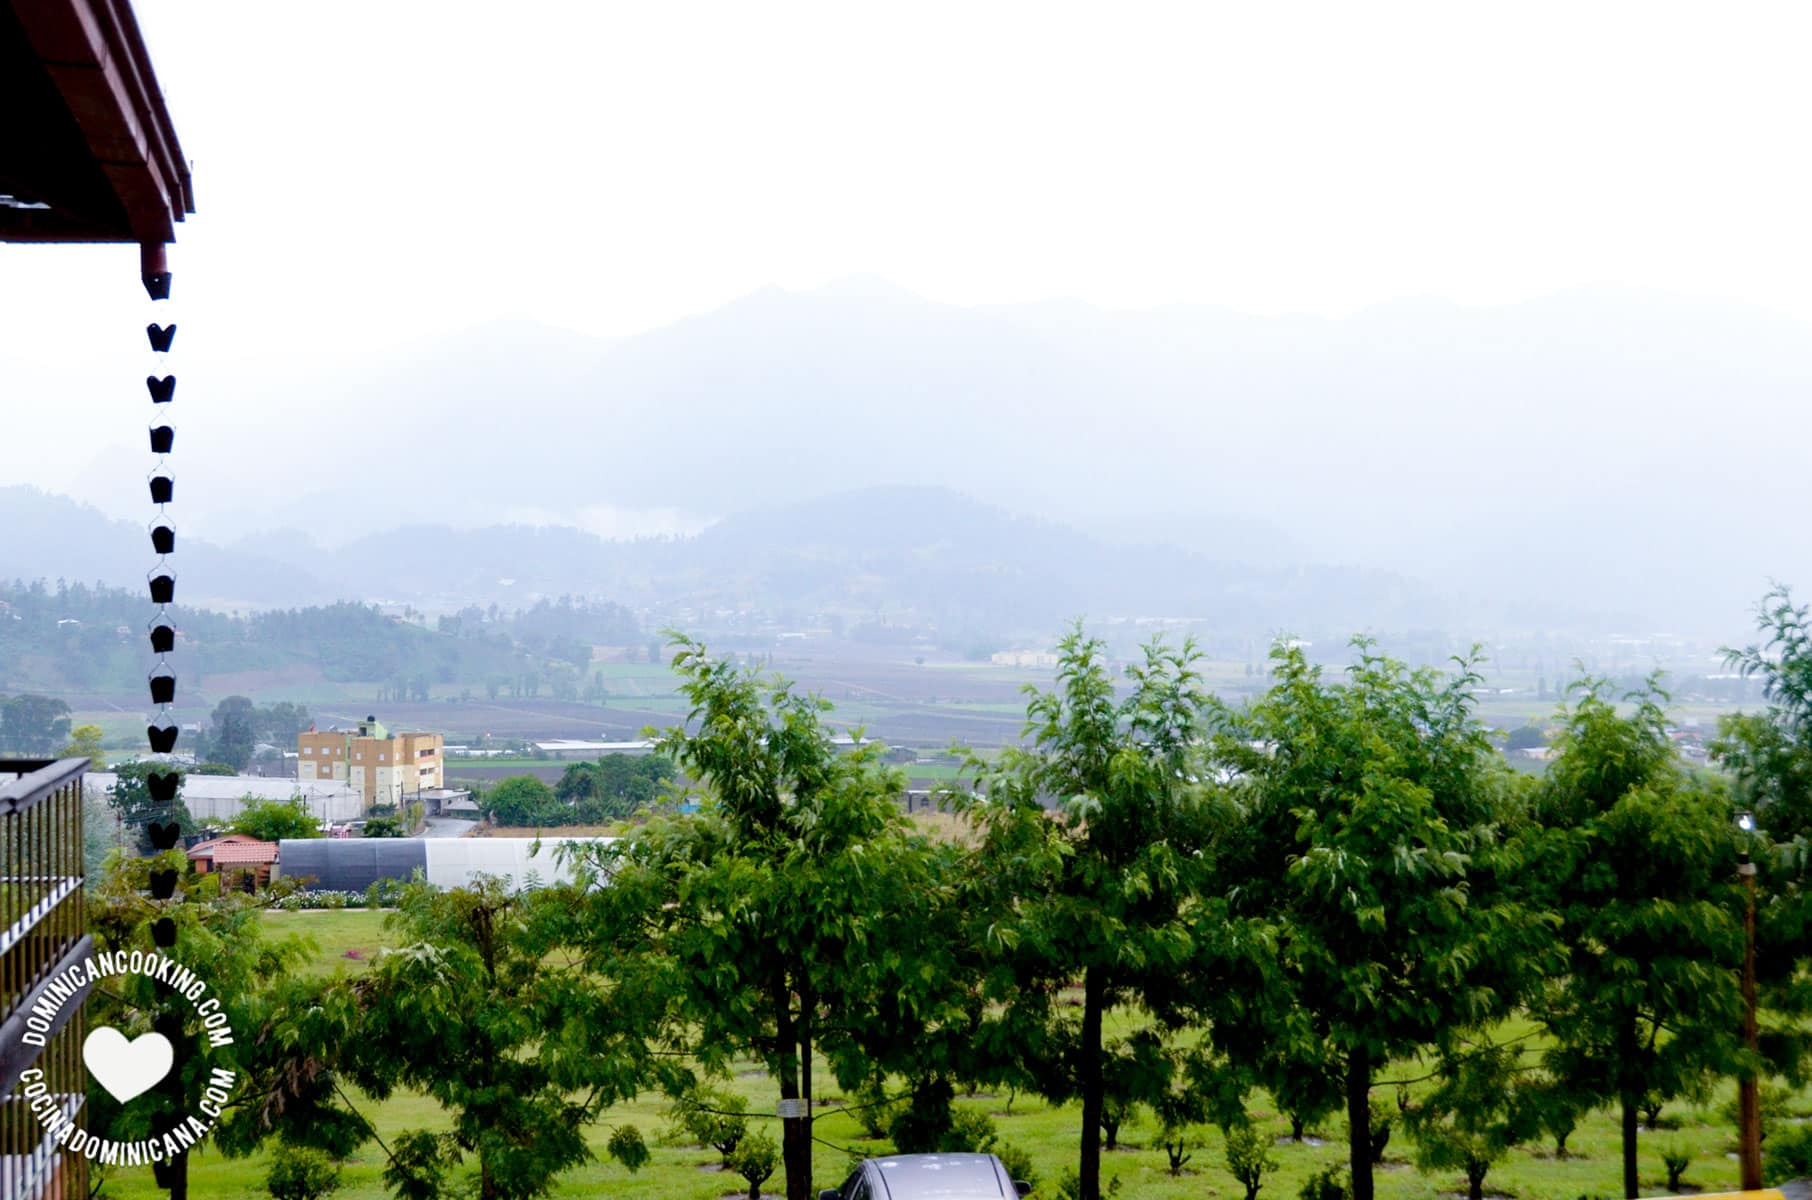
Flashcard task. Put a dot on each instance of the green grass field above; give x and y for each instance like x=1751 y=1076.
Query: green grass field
x=1048 y=1134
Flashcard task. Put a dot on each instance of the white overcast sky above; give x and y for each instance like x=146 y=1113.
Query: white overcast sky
x=370 y=172
x=400 y=169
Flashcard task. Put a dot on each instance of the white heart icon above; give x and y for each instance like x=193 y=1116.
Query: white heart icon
x=127 y=1068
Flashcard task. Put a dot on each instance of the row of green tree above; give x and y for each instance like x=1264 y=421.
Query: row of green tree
x=612 y=788
x=1302 y=895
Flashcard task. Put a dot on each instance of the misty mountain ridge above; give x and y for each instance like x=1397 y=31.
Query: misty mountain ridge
x=903 y=555
x=1589 y=452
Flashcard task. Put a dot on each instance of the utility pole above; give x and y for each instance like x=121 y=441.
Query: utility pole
x=1749 y=1116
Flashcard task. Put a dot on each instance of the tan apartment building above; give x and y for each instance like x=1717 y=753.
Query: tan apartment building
x=382 y=767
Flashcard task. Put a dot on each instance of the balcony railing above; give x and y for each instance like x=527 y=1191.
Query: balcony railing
x=43 y=931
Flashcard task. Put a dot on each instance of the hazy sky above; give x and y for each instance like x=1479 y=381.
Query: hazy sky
x=377 y=171
x=394 y=169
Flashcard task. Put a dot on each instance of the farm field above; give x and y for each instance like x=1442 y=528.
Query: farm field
x=1047 y=1133
x=893 y=694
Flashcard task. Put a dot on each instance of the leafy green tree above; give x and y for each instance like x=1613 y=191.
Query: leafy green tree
x=233 y=732
x=1099 y=888
x=274 y=820
x=1479 y=1110
x=795 y=914
x=279 y=723
x=1376 y=839
x=383 y=827
x=755 y=1159
x=711 y=1118
x=613 y=787
x=520 y=800
x=85 y=742
x=33 y=726
x=130 y=797
x=1639 y=861
x=1767 y=756
x=1306 y=1080
x=220 y=936
x=1526 y=737
x=475 y=1011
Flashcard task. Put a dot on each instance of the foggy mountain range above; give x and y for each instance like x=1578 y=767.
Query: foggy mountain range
x=1597 y=456
x=916 y=556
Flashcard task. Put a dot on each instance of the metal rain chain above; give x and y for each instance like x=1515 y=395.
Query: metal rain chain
x=165 y=830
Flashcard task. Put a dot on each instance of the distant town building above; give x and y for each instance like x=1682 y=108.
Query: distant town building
x=573 y=748
x=382 y=767
x=219 y=799
x=1024 y=658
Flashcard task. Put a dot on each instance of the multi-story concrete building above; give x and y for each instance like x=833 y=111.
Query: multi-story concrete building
x=381 y=766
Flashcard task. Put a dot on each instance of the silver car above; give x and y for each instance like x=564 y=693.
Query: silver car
x=929 y=1177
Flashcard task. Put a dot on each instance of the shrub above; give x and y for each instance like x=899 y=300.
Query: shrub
x=1249 y=1158
x=1676 y=1160
x=274 y=820
x=627 y=1147
x=1018 y=1164
x=1384 y=1115
x=1788 y=1154
x=299 y=1174
x=920 y=1127
x=1069 y=1185
x=874 y=1110
x=382 y=894
x=755 y=1159
x=971 y=1131
x=1771 y=1107
x=1329 y=1183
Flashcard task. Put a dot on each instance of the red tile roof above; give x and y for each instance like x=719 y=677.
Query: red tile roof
x=257 y=852
x=235 y=848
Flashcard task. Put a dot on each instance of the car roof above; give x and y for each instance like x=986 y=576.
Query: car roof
x=950 y=1176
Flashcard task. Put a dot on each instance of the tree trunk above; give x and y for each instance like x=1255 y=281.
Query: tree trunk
x=807 y=1005
x=1631 y=1098
x=1359 y=1122
x=1090 y=1078
x=1295 y=1128
x=1631 y=1188
x=1475 y=1183
x=795 y=1135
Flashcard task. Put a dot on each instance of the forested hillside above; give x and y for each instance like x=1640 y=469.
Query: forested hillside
x=62 y=636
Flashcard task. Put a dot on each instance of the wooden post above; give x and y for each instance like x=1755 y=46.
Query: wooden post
x=1749 y=1118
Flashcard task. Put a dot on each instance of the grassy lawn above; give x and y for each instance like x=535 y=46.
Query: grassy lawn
x=1048 y=1134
